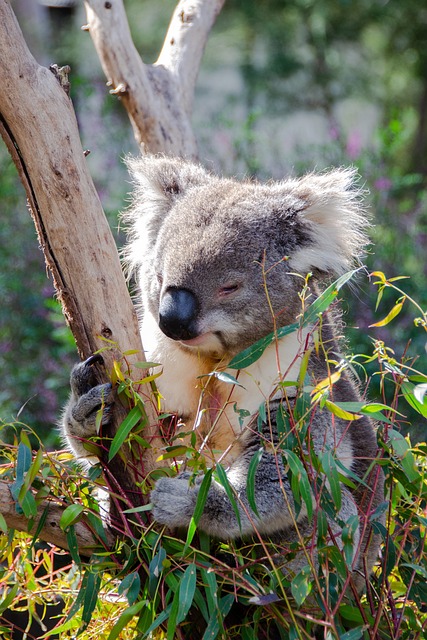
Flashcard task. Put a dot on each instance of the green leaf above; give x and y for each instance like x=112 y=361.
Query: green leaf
x=301 y=585
x=198 y=509
x=9 y=598
x=348 y=538
x=3 y=524
x=187 y=588
x=123 y=431
x=125 y=618
x=172 y=622
x=215 y=622
x=223 y=376
x=211 y=589
x=254 y=352
x=300 y=484
x=353 y=634
x=146 y=365
x=155 y=570
x=70 y=515
x=408 y=391
x=250 y=484
x=331 y=473
x=130 y=587
x=23 y=463
x=175 y=451
x=90 y=598
x=223 y=480
x=339 y=411
x=73 y=545
x=324 y=301
x=158 y=621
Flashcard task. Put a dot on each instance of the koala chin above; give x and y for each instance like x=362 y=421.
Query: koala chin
x=220 y=264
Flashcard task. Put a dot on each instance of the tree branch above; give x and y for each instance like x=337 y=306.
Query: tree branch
x=38 y=124
x=50 y=531
x=158 y=98
x=185 y=43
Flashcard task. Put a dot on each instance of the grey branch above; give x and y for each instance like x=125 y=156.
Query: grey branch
x=158 y=97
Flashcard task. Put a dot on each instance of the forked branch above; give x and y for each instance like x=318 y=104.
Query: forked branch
x=158 y=97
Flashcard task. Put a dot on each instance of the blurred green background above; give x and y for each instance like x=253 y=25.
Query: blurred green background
x=284 y=87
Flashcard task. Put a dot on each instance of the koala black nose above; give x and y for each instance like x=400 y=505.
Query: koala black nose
x=177 y=314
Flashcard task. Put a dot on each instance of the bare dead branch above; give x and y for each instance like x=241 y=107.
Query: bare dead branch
x=158 y=98
x=38 y=124
x=185 y=43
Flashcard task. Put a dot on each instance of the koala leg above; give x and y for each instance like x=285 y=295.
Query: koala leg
x=86 y=399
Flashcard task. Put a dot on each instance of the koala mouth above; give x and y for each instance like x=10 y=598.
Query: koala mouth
x=198 y=341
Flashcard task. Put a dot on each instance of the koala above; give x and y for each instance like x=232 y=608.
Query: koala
x=220 y=264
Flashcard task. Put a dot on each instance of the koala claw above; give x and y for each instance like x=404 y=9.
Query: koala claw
x=173 y=501
x=87 y=397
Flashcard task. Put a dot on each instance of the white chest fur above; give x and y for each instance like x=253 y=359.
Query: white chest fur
x=213 y=407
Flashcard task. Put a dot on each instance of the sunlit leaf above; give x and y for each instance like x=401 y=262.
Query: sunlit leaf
x=392 y=314
x=70 y=515
x=123 y=431
x=125 y=619
x=420 y=391
x=337 y=410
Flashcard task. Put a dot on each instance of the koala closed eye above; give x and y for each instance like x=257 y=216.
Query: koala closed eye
x=231 y=259
x=229 y=289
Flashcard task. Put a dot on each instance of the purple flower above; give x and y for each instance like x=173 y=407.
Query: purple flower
x=354 y=145
x=383 y=184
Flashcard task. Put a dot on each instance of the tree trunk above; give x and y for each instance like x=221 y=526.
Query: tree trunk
x=38 y=124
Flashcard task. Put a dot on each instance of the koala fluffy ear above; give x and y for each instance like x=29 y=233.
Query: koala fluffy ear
x=334 y=218
x=159 y=181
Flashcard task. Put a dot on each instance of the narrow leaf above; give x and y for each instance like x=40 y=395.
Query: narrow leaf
x=70 y=515
x=125 y=618
x=331 y=473
x=254 y=352
x=123 y=431
x=130 y=587
x=337 y=410
x=392 y=314
x=223 y=480
x=186 y=592
x=90 y=597
x=250 y=484
x=200 y=505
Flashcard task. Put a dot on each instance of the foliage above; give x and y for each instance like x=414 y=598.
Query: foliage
x=164 y=583
x=160 y=586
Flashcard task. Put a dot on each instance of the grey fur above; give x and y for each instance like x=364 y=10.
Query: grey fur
x=223 y=258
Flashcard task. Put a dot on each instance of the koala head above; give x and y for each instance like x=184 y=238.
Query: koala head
x=219 y=263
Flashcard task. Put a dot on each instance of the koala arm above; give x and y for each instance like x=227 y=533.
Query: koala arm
x=174 y=500
x=79 y=421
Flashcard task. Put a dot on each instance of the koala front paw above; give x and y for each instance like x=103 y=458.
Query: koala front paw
x=87 y=398
x=174 y=500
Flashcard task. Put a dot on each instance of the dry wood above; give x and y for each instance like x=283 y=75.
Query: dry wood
x=158 y=97
x=50 y=531
x=38 y=124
